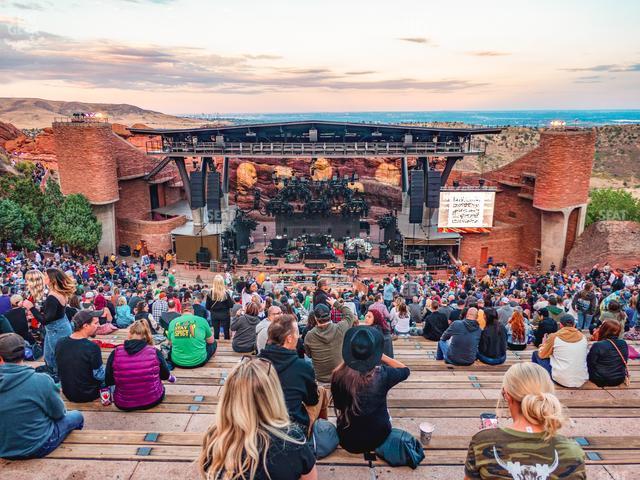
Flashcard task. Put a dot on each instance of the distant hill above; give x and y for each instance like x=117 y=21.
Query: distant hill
x=39 y=113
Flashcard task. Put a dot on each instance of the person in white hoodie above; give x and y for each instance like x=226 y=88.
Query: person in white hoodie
x=564 y=355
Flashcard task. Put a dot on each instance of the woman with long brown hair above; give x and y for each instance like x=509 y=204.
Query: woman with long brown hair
x=359 y=386
x=53 y=315
x=518 y=331
x=252 y=436
x=608 y=357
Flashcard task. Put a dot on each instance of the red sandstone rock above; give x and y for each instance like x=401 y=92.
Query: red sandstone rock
x=615 y=242
x=121 y=130
x=8 y=132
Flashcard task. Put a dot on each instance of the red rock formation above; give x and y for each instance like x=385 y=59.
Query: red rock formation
x=615 y=242
x=8 y=132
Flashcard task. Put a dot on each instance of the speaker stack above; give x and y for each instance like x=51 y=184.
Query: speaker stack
x=196 y=181
x=213 y=197
x=433 y=182
x=416 y=196
x=243 y=257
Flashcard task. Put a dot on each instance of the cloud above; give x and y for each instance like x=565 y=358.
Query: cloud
x=422 y=40
x=488 y=53
x=607 y=68
x=29 y=5
x=101 y=63
x=589 y=79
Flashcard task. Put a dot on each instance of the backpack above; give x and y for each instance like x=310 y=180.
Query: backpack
x=324 y=438
x=401 y=449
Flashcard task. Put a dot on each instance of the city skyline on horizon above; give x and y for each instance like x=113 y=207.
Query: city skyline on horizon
x=338 y=57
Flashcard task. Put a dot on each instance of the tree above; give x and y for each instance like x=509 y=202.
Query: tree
x=612 y=204
x=11 y=221
x=31 y=229
x=75 y=224
x=26 y=193
x=52 y=202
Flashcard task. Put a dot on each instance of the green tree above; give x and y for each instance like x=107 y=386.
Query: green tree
x=75 y=224
x=26 y=193
x=31 y=229
x=612 y=204
x=11 y=221
x=52 y=202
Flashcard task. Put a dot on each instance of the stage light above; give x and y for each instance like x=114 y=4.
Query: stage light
x=456 y=183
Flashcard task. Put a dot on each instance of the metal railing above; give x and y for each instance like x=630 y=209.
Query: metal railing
x=321 y=149
x=80 y=120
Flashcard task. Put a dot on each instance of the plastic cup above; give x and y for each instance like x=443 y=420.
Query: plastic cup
x=426 y=431
x=105 y=396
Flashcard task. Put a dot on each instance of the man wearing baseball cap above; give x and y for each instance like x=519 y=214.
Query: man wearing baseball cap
x=38 y=421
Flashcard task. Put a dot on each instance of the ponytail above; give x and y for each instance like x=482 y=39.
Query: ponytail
x=544 y=409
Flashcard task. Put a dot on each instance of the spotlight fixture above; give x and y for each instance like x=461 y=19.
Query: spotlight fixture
x=456 y=183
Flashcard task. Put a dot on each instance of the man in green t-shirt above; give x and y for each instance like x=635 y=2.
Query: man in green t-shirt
x=192 y=341
x=172 y=278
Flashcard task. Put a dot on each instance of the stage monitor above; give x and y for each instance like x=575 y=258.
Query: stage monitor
x=466 y=211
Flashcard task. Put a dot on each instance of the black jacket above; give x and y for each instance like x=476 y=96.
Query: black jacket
x=606 y=368
x=435 y=323
x=320 y=297
x=548 y=325
x=220 y=310
x=298 y=381
x=493 y=341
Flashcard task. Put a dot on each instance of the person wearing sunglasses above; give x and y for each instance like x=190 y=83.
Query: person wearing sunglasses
x=252 y=435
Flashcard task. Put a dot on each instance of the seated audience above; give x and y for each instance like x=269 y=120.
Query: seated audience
x=401 y=318
x=262 y=328
x=531 y=446
x=359 y=387
x=323 y=343
x=546 y=326
x=608 y=357
x=244 y=329
x=17 y=318
x=518 y=331
x=305 y=400
x=34 y=421
x=191 y=338
x=459 y=343
x=171 y=313
x=492 y=349
x=136 y=370
x=435 y=323
x=252 y=436
x=124 y=317
x=79 y=360
x=564 y=355
x=375 y=319
x=142 y=313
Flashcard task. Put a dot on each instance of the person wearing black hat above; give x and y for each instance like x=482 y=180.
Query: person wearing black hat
x=323 y=343
x=38 y=421
x=79 y=360
x=359 y=387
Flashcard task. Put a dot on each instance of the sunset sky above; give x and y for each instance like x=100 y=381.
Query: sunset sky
x=189 y=56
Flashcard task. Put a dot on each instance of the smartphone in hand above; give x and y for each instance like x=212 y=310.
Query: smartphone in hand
x=488 y=420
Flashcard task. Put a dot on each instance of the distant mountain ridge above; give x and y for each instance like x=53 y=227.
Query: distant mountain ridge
x=40 y=113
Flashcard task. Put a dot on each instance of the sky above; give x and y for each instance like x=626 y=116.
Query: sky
x=238 y=56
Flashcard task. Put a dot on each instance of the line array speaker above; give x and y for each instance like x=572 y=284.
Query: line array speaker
x=196 y=181
x=213 y=197
x=432 y=197
x=416 y=196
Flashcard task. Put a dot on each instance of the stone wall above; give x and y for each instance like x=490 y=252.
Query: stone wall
x=615 y=242
x=135 y=202
x=503 y=244
x=156 y=233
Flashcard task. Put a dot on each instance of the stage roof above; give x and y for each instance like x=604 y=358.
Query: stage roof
x=298 y=131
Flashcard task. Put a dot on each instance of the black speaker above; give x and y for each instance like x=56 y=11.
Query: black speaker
x=383 y=252
x=242 y=235
x=432 y=197
x=416 y=196
x=243 y=258
x=124 y=250
x=196 y=181
x=213 y=197
x=203 y=255
x=390 y=230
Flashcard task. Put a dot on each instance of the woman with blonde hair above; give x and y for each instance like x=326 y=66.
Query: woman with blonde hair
x=531 y=446
x=53 y=315
x=34 y=283
x=253 y=437
x=219 y=303
x=136 y=369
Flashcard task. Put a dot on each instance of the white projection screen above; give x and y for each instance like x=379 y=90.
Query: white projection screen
x=466 y=211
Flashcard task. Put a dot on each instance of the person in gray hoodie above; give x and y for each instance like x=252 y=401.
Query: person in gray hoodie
x=323 y=343
x=459 y=343
x=244 y=329
x=38 y=421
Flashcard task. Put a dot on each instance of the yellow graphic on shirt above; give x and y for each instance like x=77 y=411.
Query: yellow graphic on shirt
x=185 y=330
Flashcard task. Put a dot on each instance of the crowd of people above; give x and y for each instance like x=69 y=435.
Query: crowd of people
x=304 y=346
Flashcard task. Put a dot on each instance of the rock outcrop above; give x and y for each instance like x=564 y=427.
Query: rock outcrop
x=615 y=242
x=8 y=132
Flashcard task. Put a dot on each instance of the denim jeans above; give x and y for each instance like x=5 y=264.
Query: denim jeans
x=584 y=320
x=492 y=361
x=443 y=349
x=73 y=420
x=543 y=362
x=55 y=331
